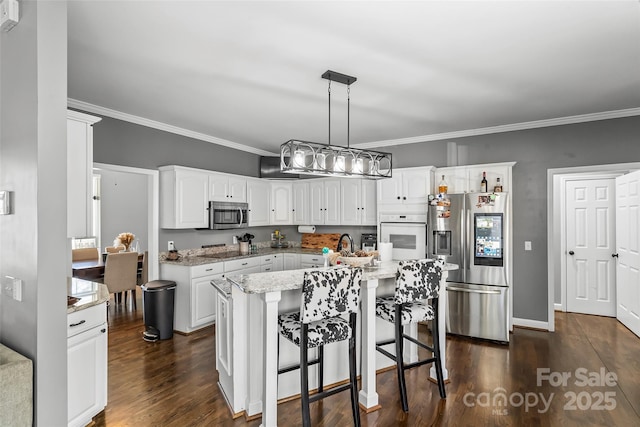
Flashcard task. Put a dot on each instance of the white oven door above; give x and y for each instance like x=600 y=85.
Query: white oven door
x=409 y=239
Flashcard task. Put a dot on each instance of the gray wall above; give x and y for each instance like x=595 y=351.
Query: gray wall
x=32 y=159
x=123 y=207
x=535 y=151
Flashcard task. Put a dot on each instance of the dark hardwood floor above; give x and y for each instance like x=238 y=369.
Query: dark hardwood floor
x=173 y=382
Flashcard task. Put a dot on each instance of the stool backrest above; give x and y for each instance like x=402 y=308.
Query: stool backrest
x=417 y=280
x=330 y=293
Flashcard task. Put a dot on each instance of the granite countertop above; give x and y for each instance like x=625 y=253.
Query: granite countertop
x=193 y=258
x=90 y=293
x=258 y=283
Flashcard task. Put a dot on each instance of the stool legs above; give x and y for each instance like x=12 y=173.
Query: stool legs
x=399 y=358
x=353 y=376
x=436 y=352
x=304 y=377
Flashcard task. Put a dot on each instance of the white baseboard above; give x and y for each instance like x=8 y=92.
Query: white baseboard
x=527 y=323
x=558 y=307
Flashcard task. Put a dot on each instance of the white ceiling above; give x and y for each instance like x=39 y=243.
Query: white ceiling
x=247 y=74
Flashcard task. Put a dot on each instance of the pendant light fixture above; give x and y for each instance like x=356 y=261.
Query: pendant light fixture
x=312 y=158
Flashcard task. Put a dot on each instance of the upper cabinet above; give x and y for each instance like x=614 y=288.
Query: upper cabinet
x=79 y=173
x=324 y=201
x=184 y=197
x=259 y=200
x=281 y=203
x=406 y=191
x=226 y=188
x=466 y=179
x=301 y=203
x=357 y=202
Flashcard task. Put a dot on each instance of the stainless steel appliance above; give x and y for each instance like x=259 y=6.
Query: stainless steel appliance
x=227 y=215
x=408 y=233
x=368 y=241
x=471 y=230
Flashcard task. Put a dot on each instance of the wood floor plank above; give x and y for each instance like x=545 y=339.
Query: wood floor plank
x=174 y=382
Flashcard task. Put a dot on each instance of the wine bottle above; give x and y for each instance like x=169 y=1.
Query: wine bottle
x=483 y=183
x=498 y=186
x=443 y=187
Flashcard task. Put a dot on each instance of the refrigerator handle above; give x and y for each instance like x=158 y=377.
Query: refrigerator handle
x=471 y=291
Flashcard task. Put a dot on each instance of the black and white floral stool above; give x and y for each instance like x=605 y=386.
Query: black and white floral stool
x=326 y=296
x=416 y=281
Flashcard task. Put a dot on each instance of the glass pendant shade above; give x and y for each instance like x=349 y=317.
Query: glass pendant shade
x=303 y=157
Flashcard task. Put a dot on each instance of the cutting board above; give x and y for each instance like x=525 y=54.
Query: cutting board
x=319 y=241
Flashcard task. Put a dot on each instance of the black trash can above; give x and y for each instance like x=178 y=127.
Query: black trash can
x=158 y=297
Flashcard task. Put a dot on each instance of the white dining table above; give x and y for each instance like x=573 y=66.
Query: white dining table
x=270 y=287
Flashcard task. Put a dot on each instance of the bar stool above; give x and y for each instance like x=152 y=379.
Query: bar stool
x=326 y=295
x=416 y=280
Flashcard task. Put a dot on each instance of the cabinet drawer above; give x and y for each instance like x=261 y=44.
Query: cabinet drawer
x=311 y=259
x=207 y=269
x=267 y=259
x=241 y=264
x=266 y=267
x=82 y=320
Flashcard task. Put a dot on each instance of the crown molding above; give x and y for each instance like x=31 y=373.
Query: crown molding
x=96 y=109
x=583 y=118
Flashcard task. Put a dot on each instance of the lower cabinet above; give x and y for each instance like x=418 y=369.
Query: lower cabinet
x=86 y=364
x=291 y=261
x=195 y=298
x=311 y=261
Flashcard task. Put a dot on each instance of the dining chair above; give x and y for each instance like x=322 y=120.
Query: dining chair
x=120 y=275
x=416 y=282
x=143 y=273
x=114 y=249
x=84 y=254
x=327 y=295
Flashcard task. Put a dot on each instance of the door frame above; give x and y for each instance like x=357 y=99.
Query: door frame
x=153 y=211
x=556 y=211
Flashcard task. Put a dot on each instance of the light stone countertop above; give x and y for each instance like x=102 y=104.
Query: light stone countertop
x=259 y=283
x=194 y=259
x=90 y=293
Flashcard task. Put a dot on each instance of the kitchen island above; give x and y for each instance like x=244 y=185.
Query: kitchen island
x=247 y=339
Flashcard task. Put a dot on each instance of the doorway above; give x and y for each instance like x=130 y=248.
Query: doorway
x=136 y=193
x=557 y=251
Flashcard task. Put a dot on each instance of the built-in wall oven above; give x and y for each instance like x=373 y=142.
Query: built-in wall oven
x=407 y=233
x=228 y=215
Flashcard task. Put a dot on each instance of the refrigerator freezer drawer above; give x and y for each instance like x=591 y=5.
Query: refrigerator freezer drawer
x=478 y=311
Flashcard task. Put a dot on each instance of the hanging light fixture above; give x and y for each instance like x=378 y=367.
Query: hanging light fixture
x=312 y=158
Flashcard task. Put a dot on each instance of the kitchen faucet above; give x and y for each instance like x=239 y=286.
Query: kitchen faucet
x=339 y=248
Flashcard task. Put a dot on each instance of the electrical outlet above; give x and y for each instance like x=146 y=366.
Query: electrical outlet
x=171 y=246
x=527 y=245
x=235 y=240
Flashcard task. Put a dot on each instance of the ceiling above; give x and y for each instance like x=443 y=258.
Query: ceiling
x=248 y=74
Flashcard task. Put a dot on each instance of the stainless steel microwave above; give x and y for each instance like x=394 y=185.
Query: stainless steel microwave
x=227 y=215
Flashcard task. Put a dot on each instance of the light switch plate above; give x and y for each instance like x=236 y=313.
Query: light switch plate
x=527 y=245
x=9 y=14
x=12 y=287
x=5 y=202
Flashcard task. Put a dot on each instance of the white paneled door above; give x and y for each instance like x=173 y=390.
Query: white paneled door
x=628 y=250
x=590 y=246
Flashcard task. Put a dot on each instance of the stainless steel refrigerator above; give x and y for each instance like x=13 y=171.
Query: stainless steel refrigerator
x=472 y=230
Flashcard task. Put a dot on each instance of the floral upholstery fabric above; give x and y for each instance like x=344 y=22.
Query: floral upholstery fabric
x=330 y=293
x=320 y=332
x=416 y=280
x=326 y=296
x=412 y=312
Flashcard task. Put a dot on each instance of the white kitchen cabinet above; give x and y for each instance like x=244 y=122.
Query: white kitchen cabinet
x=281 y=203
x=324 y=201
x=227 y=188
x=79 y=173
x=358 y=202
x=243 y=266
x=86 y=364
x=259 y=200
x=301 y=203
x=184 y=197
x=273 y=262
x=407 y=191
x=194 y=296
x=291 y=261
x=311 y=261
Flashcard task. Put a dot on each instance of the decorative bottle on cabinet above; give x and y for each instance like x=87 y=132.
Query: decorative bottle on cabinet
x=498 y=186
x=443 y=187
x=483 y=183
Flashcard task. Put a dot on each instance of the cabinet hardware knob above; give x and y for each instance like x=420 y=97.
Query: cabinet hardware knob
x=398 y=197
x=404 y=198
x=614 y=255
x=571 y=252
